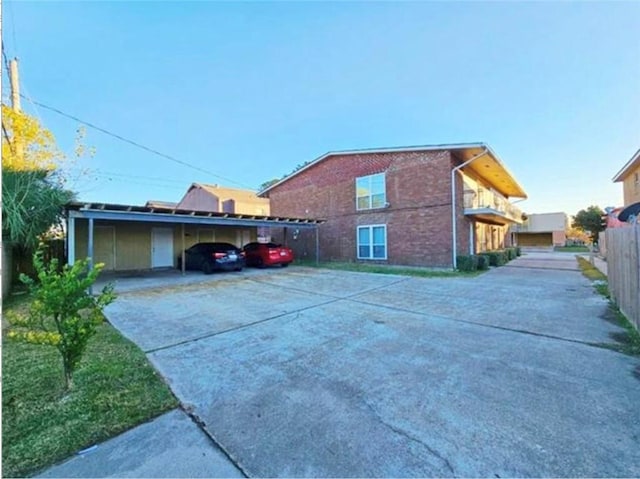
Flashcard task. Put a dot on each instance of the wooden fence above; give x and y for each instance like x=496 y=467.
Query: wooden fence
x=623 y=270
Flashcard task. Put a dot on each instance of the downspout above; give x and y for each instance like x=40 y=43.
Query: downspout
x=454 y=238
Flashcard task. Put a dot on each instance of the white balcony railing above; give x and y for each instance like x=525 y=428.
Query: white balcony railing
x=487 y=200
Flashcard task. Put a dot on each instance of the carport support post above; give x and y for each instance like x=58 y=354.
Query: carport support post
x=90 y=249
x=71 y=240
x=182 y=266
x=317 y=248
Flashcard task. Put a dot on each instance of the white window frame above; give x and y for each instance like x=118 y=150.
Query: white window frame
x=371 y=193
x=371 y=244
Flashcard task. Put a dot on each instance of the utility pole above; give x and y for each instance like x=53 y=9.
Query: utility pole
x=15 y=86
x=15 y=104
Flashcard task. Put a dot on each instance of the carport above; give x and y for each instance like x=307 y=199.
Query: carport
x=129 y=237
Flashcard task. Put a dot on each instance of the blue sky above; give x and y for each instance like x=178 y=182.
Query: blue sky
x=248 y=91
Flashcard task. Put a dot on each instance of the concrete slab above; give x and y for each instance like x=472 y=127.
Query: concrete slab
x=312 y=372
x=350 y=390
x=169 y=446
x=337 y=284
x=161 y=317
x=545 y=302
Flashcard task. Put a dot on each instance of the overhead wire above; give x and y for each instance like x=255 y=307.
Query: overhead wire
x=136 y=144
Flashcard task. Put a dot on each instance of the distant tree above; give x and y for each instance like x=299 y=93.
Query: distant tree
x=590 y=221
x=272 y=182
x=267 y=184
x=576 y=235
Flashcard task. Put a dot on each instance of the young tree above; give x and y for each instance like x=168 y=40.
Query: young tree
x=64 y=313
x=590 y=220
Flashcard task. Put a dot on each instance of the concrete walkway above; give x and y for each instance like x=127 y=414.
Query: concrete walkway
x=315 y=373
x=169 y=446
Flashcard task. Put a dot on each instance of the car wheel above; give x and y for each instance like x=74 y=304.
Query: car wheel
x=207 y=268
x=284 y=265
x=238 y=269
x=259 y=263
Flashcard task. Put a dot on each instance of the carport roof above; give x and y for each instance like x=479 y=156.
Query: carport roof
x=116 y=212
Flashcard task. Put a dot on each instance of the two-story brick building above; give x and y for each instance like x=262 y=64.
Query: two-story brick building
x=394 y=205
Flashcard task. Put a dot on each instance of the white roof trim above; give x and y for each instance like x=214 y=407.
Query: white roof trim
x=620 y=174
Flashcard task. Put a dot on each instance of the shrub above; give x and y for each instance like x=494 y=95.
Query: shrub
x=518 y=251
x=64 y=313
x=467 y=263
x=496 y=258
x=483 y=262
x=511 y=253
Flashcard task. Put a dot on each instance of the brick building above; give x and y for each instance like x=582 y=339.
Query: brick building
x=393 y=205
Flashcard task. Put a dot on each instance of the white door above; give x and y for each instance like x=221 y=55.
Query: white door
x=161 y=247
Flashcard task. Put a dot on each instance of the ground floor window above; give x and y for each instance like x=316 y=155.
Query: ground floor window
x=372 y=242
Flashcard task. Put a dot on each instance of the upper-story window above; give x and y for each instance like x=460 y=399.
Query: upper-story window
x=370 y=192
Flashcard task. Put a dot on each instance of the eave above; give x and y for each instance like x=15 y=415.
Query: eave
x=631 y=165
x=488 y=167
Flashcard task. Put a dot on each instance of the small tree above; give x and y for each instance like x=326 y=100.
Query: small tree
x=64 y=313
x=590 y=220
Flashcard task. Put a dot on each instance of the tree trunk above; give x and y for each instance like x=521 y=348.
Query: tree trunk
x=68 y=375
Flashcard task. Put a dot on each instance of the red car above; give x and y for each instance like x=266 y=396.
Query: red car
x=267 y=254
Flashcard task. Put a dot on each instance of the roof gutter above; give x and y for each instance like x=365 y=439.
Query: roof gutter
x=453 y=204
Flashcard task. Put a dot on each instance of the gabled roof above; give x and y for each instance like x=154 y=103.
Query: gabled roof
x=224 y=193
x=631 y=165
x=488 y=166
x=160 y=204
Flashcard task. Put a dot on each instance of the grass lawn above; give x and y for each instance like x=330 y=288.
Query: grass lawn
x=115 y=388
x=572 y=249
x=630 y=340
x=385 y=269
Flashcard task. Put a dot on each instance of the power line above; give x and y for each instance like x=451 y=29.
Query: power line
x=136 y=144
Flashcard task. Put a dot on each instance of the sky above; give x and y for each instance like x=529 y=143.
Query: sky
x=244 y=92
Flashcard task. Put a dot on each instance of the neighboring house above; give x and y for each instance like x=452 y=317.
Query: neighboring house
x=129 y=237
x=161 y=204
x=542 y=230
x=394 y=205
x=629 y=175
x=214 y=198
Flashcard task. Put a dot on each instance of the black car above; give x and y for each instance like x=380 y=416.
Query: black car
x=210 y=257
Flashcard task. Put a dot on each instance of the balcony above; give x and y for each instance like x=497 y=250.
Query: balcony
x=488 y=206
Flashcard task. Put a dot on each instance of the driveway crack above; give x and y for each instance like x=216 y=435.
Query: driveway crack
x=410 y=437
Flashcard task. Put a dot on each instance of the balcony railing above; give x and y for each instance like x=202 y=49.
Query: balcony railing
x=490 y=203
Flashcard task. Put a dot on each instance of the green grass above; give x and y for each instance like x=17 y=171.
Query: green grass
x=572 y=249
x=115 y=388
x=589 y=270
x=387 y=269
x=629 y=342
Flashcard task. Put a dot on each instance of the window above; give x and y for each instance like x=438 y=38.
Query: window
x=370 y=192
x=372 y=242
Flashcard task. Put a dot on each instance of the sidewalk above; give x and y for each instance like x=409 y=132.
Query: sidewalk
x=172 y=445
x=600 y=264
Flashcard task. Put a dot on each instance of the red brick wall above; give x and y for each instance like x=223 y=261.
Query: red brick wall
x=418 y=217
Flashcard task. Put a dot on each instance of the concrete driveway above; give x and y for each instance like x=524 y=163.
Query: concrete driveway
x=310 y=372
